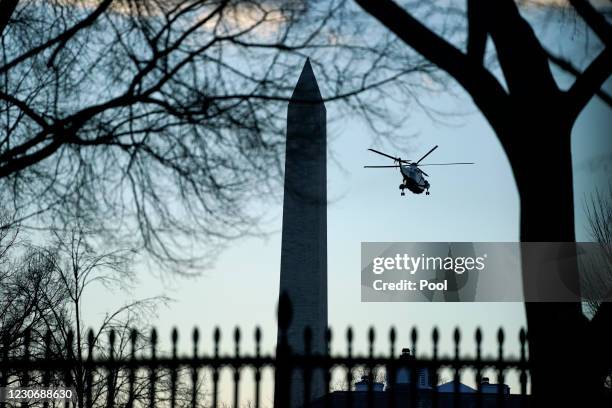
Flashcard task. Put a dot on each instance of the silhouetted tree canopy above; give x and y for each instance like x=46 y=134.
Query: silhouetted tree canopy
x=160 y=123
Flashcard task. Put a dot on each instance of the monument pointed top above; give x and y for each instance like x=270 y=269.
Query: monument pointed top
x=306 y=89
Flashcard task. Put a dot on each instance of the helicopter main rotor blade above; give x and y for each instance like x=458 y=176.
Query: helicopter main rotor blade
x=378 y=167
x=427 y=154
x=442 y=164
x=397 y=159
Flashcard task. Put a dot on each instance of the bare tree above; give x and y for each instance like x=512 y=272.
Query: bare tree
x=79 y=267
x=598 y=209
x=597 y=274
x=32 y=297
x=160 y=123
x=41 y=295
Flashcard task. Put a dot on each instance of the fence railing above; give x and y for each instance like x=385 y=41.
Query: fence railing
x=128 y=371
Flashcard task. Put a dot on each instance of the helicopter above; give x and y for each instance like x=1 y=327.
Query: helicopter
x=412 y=176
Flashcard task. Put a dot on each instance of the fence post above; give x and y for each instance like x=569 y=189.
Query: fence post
x=283 y=373
x=194 y=368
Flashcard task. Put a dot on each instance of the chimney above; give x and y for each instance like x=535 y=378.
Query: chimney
x=403 y=375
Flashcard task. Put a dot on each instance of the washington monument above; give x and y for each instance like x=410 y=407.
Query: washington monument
x=303 y=275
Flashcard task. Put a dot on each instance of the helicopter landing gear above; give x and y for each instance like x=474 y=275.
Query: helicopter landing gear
x=402 y=193
x=427 y=192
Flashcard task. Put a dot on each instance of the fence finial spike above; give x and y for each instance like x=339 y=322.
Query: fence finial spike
x=90 y=337
x=500 y=336
x=174 y=339
x=216 y=338
x=237 y=341
x=392 y=337
x=133 y=337
x=413 y=335
x=196 y=335
x=154 y=337
x=500 y=341
x=478 y=335
x=349 y=342
x=435 y=335
x=257 y=341
x=111 y=338
x=47 y=343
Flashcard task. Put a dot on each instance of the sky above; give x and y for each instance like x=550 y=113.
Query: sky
x=467 y=203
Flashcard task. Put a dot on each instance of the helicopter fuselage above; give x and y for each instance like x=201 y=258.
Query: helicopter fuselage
x=413 y=179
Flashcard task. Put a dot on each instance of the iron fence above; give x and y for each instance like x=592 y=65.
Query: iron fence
x=130 y=372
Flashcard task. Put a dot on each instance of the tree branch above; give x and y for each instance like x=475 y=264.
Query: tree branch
x=7 y=8
x=477 y=32
x=486 y=91
x=62 y=38
x=571 y=69
x=25 y=109
x=67 y=35
x=590 y=82
x=12 y=166
x=520 y=53
x=596 y=21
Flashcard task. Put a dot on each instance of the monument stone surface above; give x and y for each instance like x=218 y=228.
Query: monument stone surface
x=303 y=275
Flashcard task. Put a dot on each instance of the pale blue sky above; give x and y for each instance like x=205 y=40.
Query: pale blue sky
x=467 y=203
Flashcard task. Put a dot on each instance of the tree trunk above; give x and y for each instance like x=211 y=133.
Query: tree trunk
x=7 y=8
x=559 y=349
